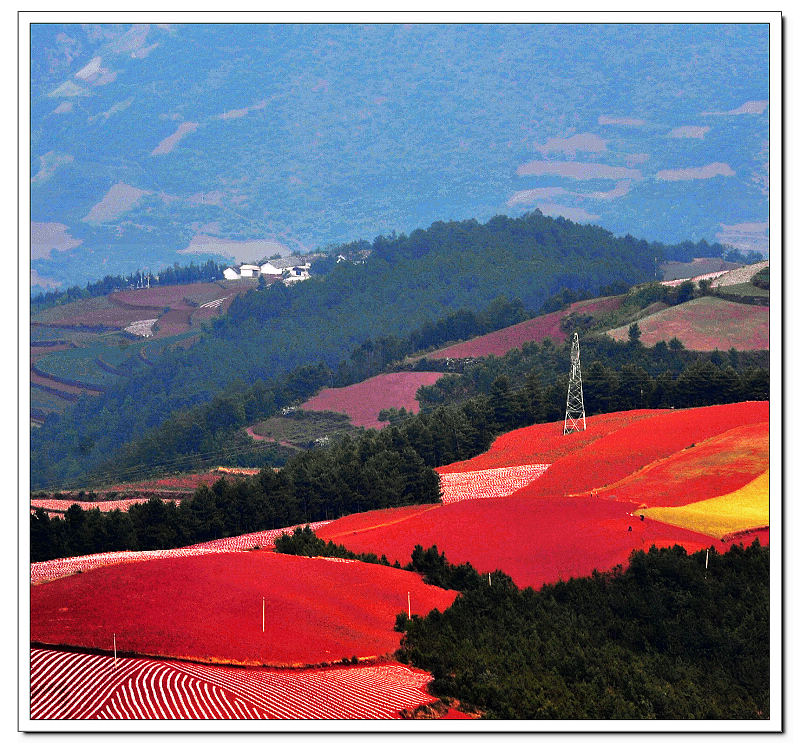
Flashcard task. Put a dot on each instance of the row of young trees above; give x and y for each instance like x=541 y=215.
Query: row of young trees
x=191 y=273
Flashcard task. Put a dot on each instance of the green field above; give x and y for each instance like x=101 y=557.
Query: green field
x=81 y=364
x=303 y=427
x=744 y=290
x=44 y=401
x=74 y=311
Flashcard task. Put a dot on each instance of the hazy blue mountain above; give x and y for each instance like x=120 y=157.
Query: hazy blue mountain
x=150 y=143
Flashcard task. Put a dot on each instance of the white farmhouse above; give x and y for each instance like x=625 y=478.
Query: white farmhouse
x=267 y=268
x=231 y=274
x=249 y=271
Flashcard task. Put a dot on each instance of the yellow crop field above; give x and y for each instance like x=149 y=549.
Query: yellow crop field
x=744 y=509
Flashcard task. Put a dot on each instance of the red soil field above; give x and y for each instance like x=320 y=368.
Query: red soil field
x=80 y=686
x=546 y=443
x=96 y=311
x=174 y=322
x=362 y=402
x=168 y=296
x=537 y=329
x=370 y=520
x=706 y=324
x=614 y=456
x=179 y=484
x=209 y=608
x=534 y=540
x=714 y=467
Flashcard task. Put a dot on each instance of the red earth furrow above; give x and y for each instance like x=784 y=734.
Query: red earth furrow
x=82 y=686
x=43 y=571
x=488 y=483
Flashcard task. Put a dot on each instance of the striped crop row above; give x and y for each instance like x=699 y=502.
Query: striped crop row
x=82 y=686
x=488 y=483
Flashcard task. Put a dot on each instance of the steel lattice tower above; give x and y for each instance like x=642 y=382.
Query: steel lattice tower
x=575 y=413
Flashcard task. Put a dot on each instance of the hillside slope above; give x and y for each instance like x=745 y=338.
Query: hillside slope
x=705 y=324
x=268 y=333
x=565 y=523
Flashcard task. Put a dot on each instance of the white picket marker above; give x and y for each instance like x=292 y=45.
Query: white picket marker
x=409 y=604
x=115 y=649
x=706 y=558
x=490 y=579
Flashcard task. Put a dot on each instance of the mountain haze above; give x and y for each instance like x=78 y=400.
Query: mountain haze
x=159 y=143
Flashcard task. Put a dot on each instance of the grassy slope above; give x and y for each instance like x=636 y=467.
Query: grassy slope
x=705 y=324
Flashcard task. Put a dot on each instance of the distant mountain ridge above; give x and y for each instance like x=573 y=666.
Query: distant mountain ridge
x=152 y=144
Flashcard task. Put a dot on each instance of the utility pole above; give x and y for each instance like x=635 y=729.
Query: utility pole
x=409 y=605
x=575 y=414
x=115 y=649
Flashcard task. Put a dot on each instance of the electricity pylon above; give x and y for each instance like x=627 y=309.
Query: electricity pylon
x=575 y=413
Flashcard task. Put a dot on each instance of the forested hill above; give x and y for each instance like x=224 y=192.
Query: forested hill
x=406 y=282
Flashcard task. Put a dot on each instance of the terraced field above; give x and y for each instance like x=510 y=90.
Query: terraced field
x=88 y=331
x=96 y=366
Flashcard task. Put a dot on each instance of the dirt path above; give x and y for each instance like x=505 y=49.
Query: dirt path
x=285 y=443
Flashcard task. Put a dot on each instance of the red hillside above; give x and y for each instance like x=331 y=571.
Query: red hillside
x=536 y=329
x=534 y=540
x=618 y=454
x=363 y=401
x=209 y=607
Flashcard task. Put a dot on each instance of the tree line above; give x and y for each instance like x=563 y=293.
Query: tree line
x=395 y=466
x=665 y=638
x=375 y=470
x=168 y=276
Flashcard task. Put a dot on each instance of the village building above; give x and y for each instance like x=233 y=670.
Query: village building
x=249 y=271
x=267 y=268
